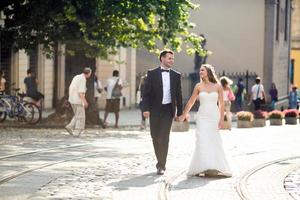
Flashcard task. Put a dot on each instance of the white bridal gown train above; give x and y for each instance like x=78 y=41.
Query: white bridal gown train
x=208 y=153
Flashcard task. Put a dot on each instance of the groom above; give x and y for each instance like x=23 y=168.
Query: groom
x=161 y=95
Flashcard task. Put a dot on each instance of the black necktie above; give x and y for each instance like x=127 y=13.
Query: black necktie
x=165 y=70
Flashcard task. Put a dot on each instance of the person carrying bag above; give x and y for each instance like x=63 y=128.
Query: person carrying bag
x=117 y=91
x=258 y=99
x=113 y=94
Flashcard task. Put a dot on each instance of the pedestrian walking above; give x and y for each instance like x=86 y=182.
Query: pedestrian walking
x=274 y=95
x=228 y=97
x=78 y=102
x=258 y=95
x=113 y=91
x=140 y=97
x=161 y=96
x=293 y=98
x=239 y=95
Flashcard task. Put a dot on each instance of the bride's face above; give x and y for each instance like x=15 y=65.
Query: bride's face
x=203 y=72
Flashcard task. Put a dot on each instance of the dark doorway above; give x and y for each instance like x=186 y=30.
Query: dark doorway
x=5 y=63
x=292 y=71
x=75 y=65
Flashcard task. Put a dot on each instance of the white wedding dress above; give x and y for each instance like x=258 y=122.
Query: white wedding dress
x=208 y=153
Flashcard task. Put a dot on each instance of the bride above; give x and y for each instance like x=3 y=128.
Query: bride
x=208 y=158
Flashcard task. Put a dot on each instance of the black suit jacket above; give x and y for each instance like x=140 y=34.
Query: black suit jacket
x=153 y=92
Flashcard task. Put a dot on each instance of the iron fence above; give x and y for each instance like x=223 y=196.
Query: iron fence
x=189 y=81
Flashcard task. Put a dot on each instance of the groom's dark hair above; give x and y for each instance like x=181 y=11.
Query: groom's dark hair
x=164 y=53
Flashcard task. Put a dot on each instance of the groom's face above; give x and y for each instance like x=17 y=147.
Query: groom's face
x=168 y=60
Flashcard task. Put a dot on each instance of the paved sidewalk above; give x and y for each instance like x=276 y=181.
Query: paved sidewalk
x=128 y=118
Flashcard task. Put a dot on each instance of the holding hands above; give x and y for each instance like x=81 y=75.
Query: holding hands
x=183 y=117
x=146 y=114
x=221 y=124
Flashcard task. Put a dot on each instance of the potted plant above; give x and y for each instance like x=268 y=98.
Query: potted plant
x=276 y=117
x=259 y=118
x=291 y=116
x=244 y=119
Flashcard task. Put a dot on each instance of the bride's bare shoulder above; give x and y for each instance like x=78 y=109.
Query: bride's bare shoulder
x=198 y=86
x=219 y=86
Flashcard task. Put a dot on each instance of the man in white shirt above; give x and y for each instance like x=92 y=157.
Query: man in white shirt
x=258 y=95
x=78 y=102
x=112 y=102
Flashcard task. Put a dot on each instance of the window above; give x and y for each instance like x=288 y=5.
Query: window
x=292 y=71
x=277 y=19
x=5 y=61
x=286 y=21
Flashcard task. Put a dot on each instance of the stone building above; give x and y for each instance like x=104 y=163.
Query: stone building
x=243 y=35
x=54 y=75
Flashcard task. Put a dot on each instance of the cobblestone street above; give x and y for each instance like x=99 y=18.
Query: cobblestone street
x=120 y=164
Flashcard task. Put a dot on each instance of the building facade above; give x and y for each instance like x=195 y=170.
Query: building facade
x=295 y=48
x=247 y=35
x=55 y=74
x=251 y=35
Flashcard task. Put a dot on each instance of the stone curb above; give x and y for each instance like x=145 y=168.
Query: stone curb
x=59 y=126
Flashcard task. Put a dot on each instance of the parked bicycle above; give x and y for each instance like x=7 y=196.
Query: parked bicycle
x=14 y=106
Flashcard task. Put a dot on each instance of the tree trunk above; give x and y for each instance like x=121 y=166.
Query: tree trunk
x=92 y=111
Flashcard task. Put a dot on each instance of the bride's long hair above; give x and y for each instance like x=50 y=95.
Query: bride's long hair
x=212 y=77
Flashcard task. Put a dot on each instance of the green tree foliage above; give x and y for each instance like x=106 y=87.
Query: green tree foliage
x=99 y=27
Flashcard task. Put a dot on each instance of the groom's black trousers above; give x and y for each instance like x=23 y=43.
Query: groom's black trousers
x=160 y=126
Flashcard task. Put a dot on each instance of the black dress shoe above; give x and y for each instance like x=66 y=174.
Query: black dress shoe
x=160 y=172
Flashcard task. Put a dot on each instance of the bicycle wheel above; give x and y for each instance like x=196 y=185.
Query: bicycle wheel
x=2 y=112
x=31 y=113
